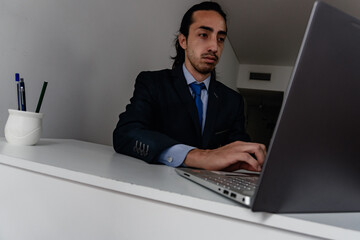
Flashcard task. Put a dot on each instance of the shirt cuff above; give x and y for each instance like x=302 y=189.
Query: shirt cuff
x=175 y=156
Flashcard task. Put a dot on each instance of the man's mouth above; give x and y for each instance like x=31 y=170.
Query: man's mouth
x=210 y=58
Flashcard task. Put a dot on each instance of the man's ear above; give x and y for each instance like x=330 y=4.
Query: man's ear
x=182 y=41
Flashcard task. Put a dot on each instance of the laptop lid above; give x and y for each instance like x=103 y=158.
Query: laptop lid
x=313 y=161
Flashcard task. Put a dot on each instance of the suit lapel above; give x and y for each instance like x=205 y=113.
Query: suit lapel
x=184 y=94
x=212 y=110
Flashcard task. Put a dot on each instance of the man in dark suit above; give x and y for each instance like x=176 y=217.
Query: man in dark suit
x=183 y=116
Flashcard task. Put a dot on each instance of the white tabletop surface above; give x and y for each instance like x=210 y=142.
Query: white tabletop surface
x=100 y=166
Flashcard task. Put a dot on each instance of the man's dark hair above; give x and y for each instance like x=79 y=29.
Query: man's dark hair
x=187 y=20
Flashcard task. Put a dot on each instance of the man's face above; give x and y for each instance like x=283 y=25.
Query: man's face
x=204 y=44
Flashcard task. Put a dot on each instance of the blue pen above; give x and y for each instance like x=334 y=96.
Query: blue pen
x=17 y=80
x=22 y=97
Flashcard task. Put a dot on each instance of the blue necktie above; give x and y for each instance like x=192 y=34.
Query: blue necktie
x=196 y=88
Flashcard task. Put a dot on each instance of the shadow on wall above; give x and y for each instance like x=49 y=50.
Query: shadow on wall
x=262 y=109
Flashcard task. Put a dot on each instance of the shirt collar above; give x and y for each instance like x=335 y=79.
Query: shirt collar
x=190 y=79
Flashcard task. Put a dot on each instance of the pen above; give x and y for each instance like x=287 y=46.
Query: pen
x=22 y=96
x=17 y=79
x=41 y=97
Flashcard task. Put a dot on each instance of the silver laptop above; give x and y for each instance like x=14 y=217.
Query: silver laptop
x=313 y=161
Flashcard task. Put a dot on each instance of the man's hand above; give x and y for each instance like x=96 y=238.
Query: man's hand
x=231 y=157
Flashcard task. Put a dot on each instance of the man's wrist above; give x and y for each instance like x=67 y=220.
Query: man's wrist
x=196 y=158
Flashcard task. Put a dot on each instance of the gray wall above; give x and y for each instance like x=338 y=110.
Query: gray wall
x=90 y=52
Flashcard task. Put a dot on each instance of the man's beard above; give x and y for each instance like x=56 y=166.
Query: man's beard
x=208 y=67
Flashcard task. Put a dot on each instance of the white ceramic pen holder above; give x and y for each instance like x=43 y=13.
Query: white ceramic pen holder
x=23 y=128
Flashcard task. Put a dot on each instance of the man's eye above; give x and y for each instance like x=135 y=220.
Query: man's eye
x=221 y=39
x=203 y=35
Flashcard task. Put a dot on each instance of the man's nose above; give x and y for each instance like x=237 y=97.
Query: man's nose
x=213 y=45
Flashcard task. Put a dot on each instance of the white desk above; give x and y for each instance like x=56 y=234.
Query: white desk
x=68 y=189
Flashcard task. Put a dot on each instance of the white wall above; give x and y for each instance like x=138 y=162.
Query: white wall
x=227 y=69
x=280 y=76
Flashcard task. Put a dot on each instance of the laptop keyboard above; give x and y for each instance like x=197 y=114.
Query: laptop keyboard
x=234 y=182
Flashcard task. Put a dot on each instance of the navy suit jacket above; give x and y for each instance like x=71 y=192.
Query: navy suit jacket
x=162 y=113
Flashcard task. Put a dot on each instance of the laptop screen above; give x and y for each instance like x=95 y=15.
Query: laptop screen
x=313 y=162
